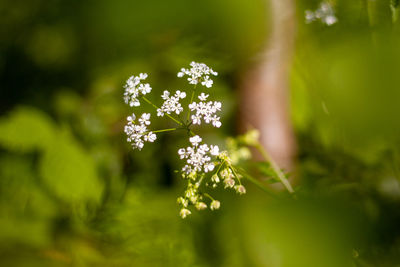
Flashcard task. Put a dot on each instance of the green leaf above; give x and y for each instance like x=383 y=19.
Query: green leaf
x=26 y=129
x=266 y=170
x=70 y=172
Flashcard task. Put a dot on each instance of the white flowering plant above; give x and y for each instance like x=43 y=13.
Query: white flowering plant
x=325 y=13
x=204 y=166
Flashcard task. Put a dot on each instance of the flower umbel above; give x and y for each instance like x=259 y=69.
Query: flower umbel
x=171 y=103
x=197 y=156
x=205 y=111
x=325 y=13
x=198 y=73
x=138 y=133
x=135 y=88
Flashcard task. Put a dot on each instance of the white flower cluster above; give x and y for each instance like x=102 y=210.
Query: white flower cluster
x=138 y=133
x=325 y=13
x=198 y=156
x=171 y=104
x=205 y=111
x=135 y=88
x=199 y=72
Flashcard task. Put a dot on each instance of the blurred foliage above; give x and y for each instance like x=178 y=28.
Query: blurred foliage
x=73 y=193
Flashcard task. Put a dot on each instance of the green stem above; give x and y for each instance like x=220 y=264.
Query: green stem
x=235 y=174
x=219 y=168
x=191 y=100
x=169 y=116
x=191 y=132
x=275 y=167
x=165 y=130
x=210 y=197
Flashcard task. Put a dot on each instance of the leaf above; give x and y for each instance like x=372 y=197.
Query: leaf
x=26 y=129
x=266 y=170
x=65 y=167
x=70 y=172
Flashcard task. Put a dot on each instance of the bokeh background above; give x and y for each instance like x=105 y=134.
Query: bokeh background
x=74 y=193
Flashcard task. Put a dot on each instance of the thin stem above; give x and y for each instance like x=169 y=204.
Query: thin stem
x=166 y=130
x=275 y=167
x=191 y=100
x=191 y=132
x=219 y=168
x=210 y=197
x=169 y=116
x=235 y=174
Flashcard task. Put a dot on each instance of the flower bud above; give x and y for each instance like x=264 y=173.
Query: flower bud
x=201 y=205
x=215 y=204
x=184 y=212
x=240 y=189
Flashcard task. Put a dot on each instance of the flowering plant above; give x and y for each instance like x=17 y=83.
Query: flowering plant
x=325 y=13
x=205 y=166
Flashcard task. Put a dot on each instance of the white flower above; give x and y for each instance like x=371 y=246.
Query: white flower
x=196 y=119
x=132 y=117
x=330 y=19
x=215 y=204
x=134 y=88
x=207 y=82
x=203 y=97
x=209 y=167
x=325 y=13
x=180 y=94
x=182 y=153
x=150 y=137
x=144 y=119
x=195 y=140
x=215 y=121
x=143 y=76
x=145 y=88
x=181 y=73
x=184 y=213
x=171 y=104
x=199 y=72
x=214 y=150
x=206 y=111
x=138 y=133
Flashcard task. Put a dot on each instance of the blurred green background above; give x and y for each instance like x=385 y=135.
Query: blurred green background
x=74 y=193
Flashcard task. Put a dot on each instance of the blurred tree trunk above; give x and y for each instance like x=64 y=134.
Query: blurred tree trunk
x=265 y=86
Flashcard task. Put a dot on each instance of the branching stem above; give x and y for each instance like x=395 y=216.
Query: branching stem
x=169 y=116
